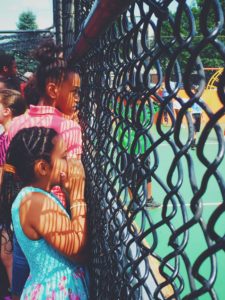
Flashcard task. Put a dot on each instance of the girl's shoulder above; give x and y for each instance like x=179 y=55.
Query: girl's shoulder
x=30 y=192
x=38 y=196
x=34 y=192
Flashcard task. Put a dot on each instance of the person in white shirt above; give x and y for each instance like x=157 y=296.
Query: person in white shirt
x=196 y=116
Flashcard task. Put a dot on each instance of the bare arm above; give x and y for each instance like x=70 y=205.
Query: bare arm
x=41 y=217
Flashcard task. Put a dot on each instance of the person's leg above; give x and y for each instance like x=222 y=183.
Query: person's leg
x=150 y=202
x=20 y=271
x=146 y=187
x=165 y=116
x=6 y=254
x=197 y=124
x=193 y=144
x=176 y=112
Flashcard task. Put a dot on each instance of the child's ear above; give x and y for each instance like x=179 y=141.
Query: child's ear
x=41 y=167
x=52 y=90
x=5 y=69
x=7 y=112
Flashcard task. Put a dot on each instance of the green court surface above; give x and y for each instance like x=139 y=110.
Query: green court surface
x=211 y=199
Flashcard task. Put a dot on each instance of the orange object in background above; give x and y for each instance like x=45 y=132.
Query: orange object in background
x=211 y=98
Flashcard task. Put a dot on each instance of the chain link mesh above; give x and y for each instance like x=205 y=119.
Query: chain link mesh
x=147 y=71
x=176 y=251
x=82 y=9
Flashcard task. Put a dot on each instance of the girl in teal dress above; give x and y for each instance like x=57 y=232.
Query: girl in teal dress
x=51 y=240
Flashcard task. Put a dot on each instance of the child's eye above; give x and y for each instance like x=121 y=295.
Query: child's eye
x=76 y=91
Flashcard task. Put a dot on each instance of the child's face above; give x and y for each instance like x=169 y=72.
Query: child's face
x=4 y=112
x=58 y=161
x=13 y=69
x=68 y=96
x=2 y=85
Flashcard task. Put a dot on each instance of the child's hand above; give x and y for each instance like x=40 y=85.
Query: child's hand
x=74 y=181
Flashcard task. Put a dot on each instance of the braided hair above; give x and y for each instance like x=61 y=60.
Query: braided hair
x=28 y=145
x=52 y=66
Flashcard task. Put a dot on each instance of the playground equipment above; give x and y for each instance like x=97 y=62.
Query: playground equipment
x=214 y=78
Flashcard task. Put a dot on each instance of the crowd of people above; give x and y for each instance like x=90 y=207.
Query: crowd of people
x=43 y=212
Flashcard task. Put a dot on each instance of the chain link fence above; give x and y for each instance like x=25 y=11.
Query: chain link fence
x=140 y=80
x=151 y=63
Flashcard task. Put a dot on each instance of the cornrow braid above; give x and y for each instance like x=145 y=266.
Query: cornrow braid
x=28 y=145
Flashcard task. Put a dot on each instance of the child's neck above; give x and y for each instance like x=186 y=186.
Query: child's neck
x=44 y=101
x=6 y=124
x=40 y=185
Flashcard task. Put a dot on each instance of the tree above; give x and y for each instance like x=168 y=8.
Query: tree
x=27 y=21
x=209 y=60
x=167 y=33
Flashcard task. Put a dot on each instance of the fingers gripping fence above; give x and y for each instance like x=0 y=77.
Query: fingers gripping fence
x=176 y=251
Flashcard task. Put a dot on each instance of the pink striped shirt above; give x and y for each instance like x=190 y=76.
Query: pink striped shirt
x=3 y=147
x=50 y=117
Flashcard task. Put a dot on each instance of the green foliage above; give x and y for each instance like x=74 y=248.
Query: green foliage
x=24 y=62
x=207 y=58
x=27 y=21
x=209 y=55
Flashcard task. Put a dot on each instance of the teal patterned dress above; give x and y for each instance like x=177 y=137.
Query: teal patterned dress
x=52 y=276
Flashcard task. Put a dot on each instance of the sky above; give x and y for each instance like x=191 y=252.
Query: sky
x=174 y=4
x=11 y=9
x=42 y=9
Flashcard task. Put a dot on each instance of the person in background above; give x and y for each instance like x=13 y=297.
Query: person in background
x=126 y=140
x=3 y=85
x=51 y=239
x=12 y=104
x=8 y=71
x=169 y=106
x=56 y=87
x=196 y=112
x=27 y=76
